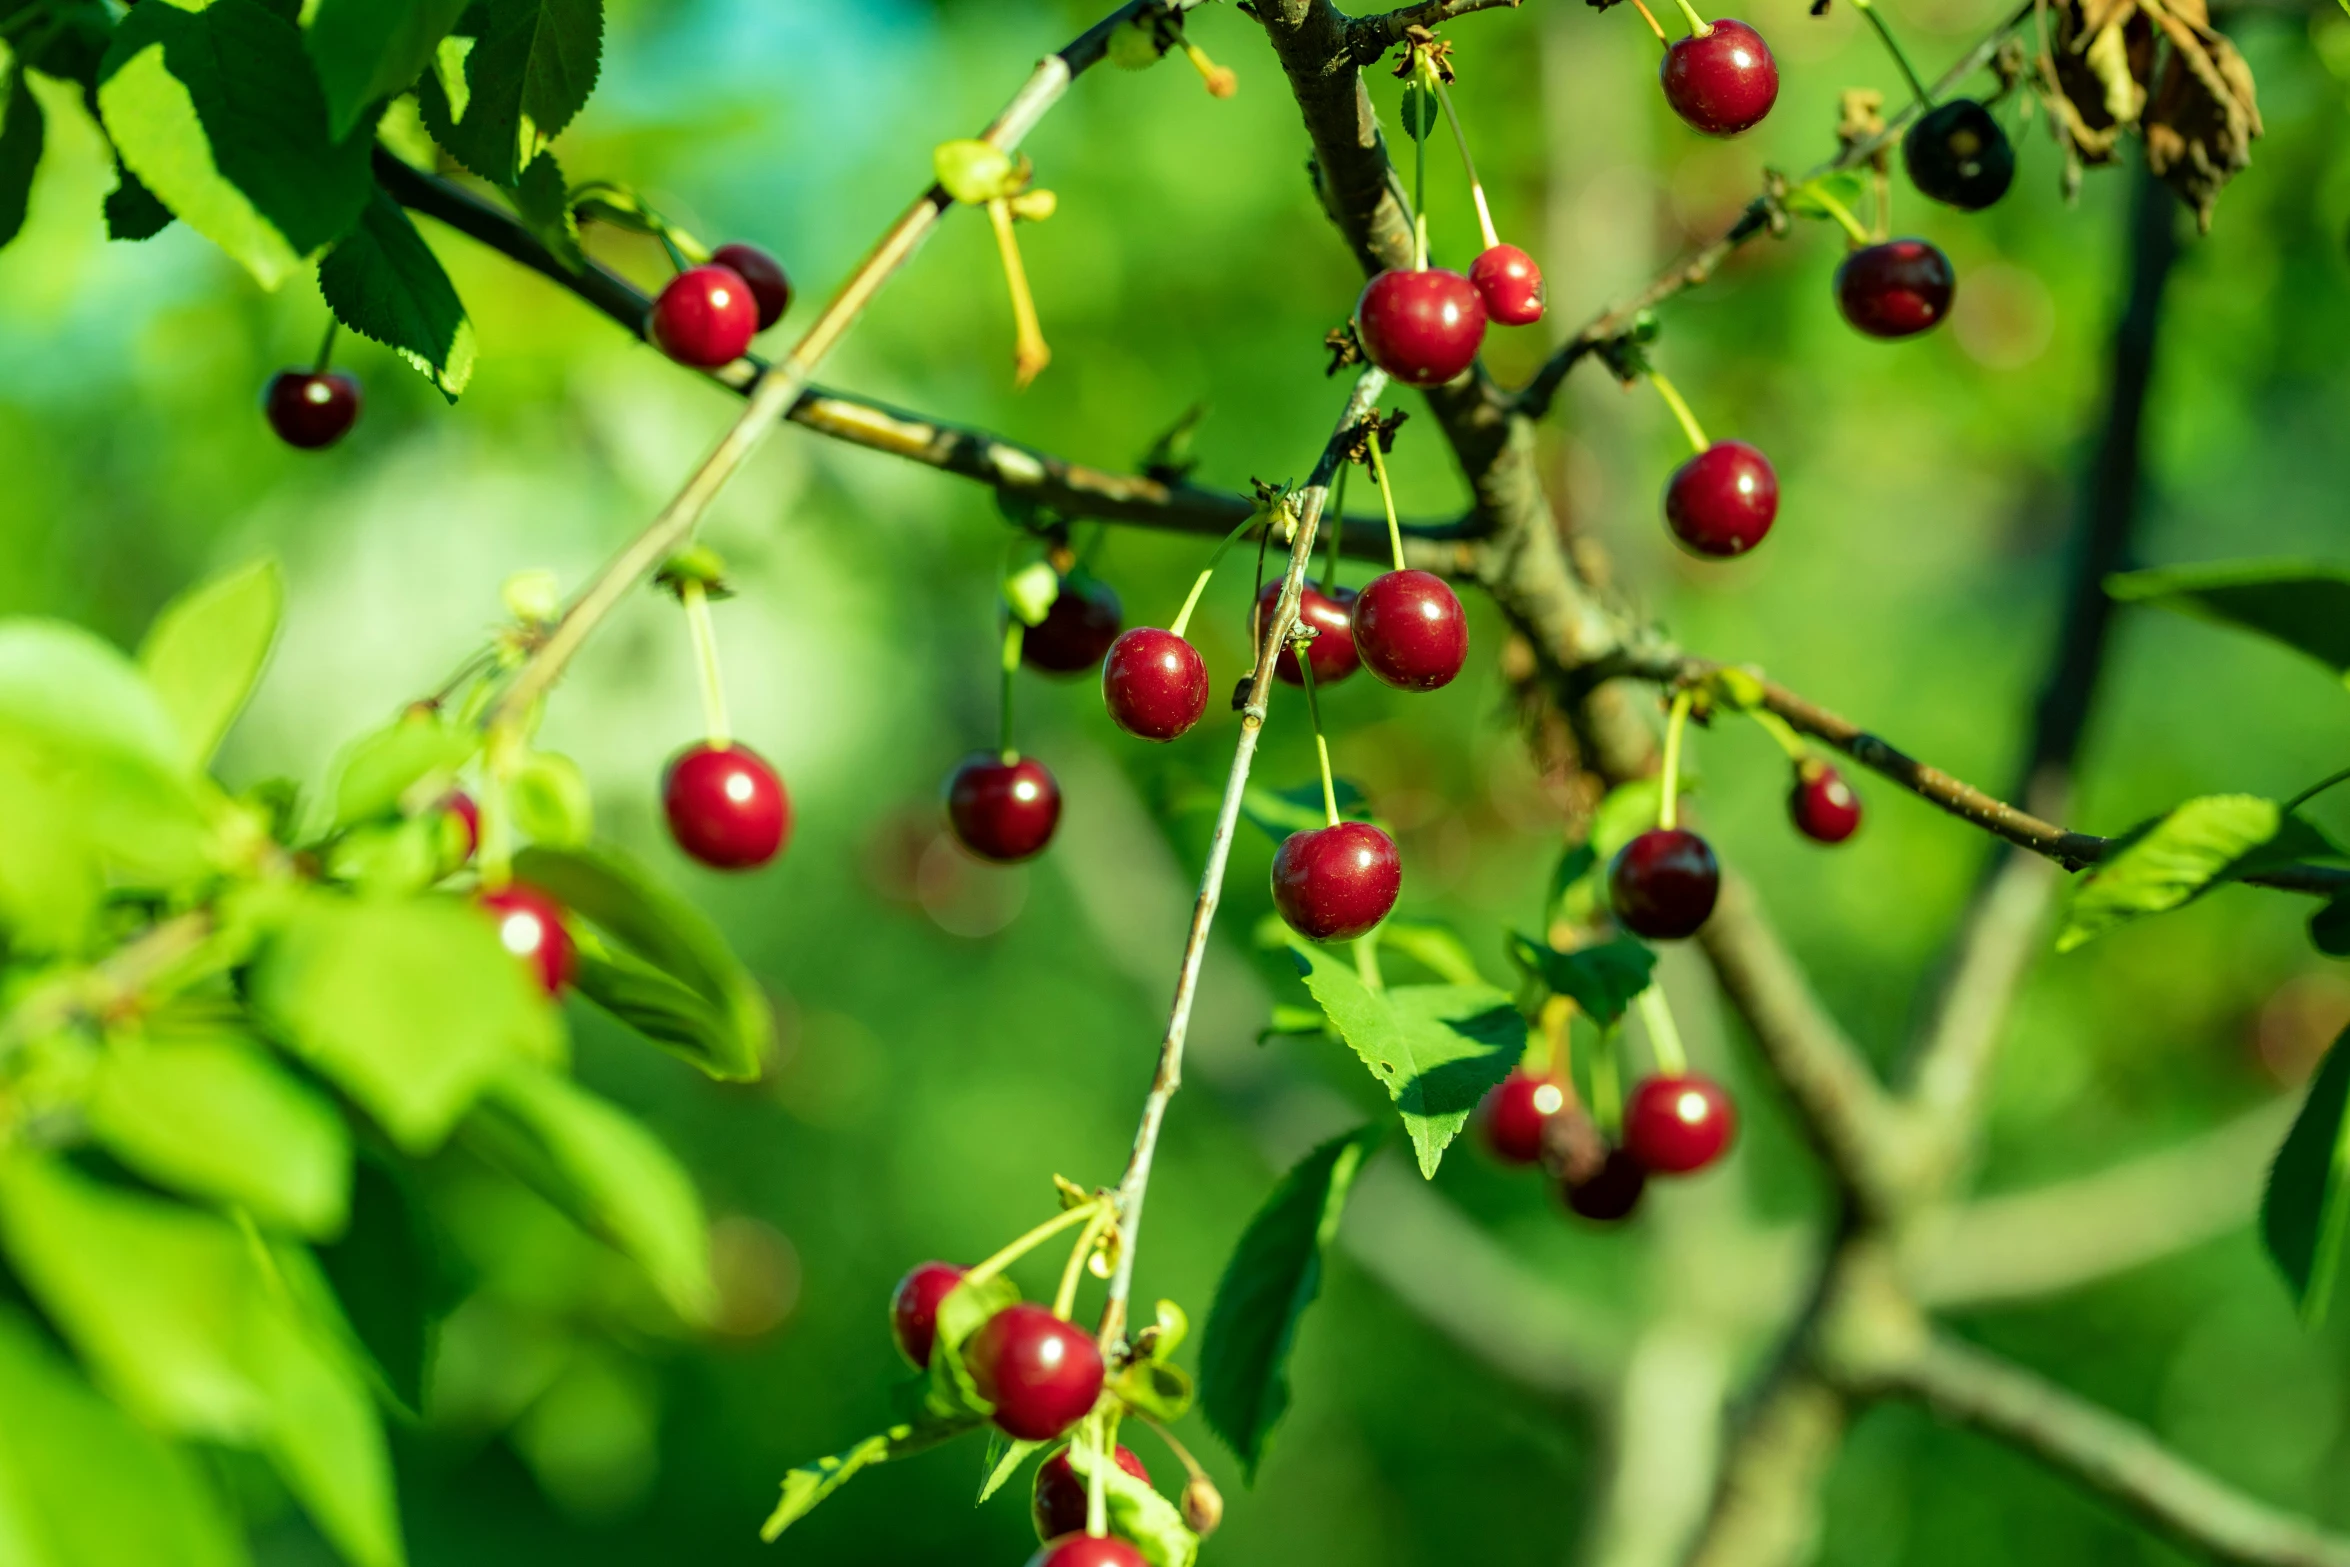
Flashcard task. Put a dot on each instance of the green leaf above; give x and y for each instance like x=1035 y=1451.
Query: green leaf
x=550 y=800
x=1274 y=1275
x=379 y=769
x=366 y=51
x=1005 y=1455
x=1434 y=945
x=1420 y=111
x=220 y=115
x=388 y=1276
x=2302 y=604
x=2306 y=1209
x=1137 y=1513
x=809 y=1484
x=384 y=283
x=132 y=211
x=22 y=131
x=1602 y=980
x=2329 y=927
x=543 y=202
x=1156 y=1389
x=1032 y=591
x=1287 y=1018
x=1436 y=1049
x=204 y=653
x=2174 y=860
x=1278 y=813
x=530 y=69
x=1573 y=865
x=952 y=1394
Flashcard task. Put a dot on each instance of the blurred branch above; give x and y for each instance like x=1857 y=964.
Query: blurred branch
x=1369 y=37
x=1766 y=1508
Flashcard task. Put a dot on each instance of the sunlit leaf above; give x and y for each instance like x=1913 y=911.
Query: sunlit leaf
x=384 y=283
x=2169 y=863
x=1602 y=980
x=204 y=653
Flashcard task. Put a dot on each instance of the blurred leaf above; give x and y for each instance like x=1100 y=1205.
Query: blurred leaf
x=388 y=1276
x=1432 y=944
x=204 y=653
x=591 y=1438
x=1629 y=810
x=1288 y=1018
x=383 y=282
x=1137 y=1513
x=952 y=1394
x=1278 y=813
x=1573 y=865
x=377 y=769
x=809 y=1484
x=1004 y=1457
x=2302 y=604
x=2329 y=927
x=1274 y=1275
x=2171 y=862
x=550 y=800
x=1031 y=590
x=22 y=131
x=652 y=1003
x=2306 y=1209
x=63 y=683
x=1602 y=980
x=396 y=858
x=1154 y=1388
x=528 y=72
x=369 y=50
x=132 y=212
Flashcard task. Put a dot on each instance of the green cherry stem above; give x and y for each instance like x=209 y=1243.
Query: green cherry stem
x=1782 y=731
x=1840 y=212
x=326 y=347
x=1893 y=47
x=1065 y=1298
x=1668 y=814
x=1083 y=1213
x=677 y=257
x=1305 y=669
x=1200 y=584
x=1367 y=963
x=1699 y=27
x=1607 y=1090
x=696 y=599
x=1654 y=25
x=1014 y=632
x=1419 y=196
x=1664 y=1039
x=497 y=816
x=1680 y=406
x=1097 y=1505
x=2313 y=791
x=1476 y=186
x=1387 y=499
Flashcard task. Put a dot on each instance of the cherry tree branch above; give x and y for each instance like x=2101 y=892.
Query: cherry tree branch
x=1369 y=37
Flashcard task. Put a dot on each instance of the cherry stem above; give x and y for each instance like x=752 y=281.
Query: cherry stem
x=1607 y=1091
x=1305 y=669
x=1476 y=186
x=676 y=256
x=1558 y=1016
x=1840 y=212
x=1199 y=586
x=1699 y=27
x=1027 y=1243
x=1387 y=499
x=1367 y=963
x=326 y=347
x=1784 y=732
x=1065 y=1298
x=1654 y=26
x=1668 y=813
x=696 y=600
x=1419 y=190
x=1680 y=406
x=1014 y=634
x=1884 y=187
x=1097 y=1504
x=497 y=820
x=2313 y=791
x=1029 y=353
x=1664 y=1039
x=1909 y=73
x=1222 y=80
x=1191 y=1465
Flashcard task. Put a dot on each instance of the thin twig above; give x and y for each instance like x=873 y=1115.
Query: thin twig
x=1369 y=37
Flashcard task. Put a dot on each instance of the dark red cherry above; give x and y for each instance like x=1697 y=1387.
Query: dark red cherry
x=1003 y=811
x=1674 y=1125
x=1154 y=683
x=1514 y=1113
x=1077 y=630
x=1421 y=327
x=762 y=274
x=1336 y=883
x=913 y=1308
x=1331 y=655
x=1957 y=153
x=1723 y=500
x=311 y=408
x=1897 y=289
x=1663 y=883
x=1510 y=284
x=1087 y=1550
x=1611 y=1192
x=1722 y=81
x=1410 y=630
x=1823 y=805
x=1058 y=1506
x=530 y=925
x=1042 y=1374
x=705 y=316
x=726 y=806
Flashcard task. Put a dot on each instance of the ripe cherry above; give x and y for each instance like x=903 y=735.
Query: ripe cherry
x=1336 y=883
x=530 y=925
x=1421 y=327
x=311 y=408
x=1041 y=1373
x=726 y=806
x=1088 y=1550
x=1722 y=81
x=1674 y=1125
x=1077 y=630
x=762 y=274
x=705 y=316
x=1823 y=805
x=1663 y=883
x=1154 y=683
x=1003 y=811
x=1410 y=630
x=1897 y=289
x=913 y=1308
x=1514 y=1113
x=1510 y=284
x=1609 y=1193
x=1058 y=1505
x=1957 y=154
x=1722 y=501
x=1331 y=655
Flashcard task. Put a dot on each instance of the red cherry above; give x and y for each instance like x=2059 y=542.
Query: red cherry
x=1336 y=883
x=1510 y=284
x=1674 y=1125
x=1897 y=289
x=530 y=924
x=762 y=274
x=1722 y=81
x=1611 y=1193
x=1154 y=683
x=1723 y=500
x=1822 y=804
x=311 y=408
x=1663 y=884
x=913 y=1308
x=1058 y=1506
x=1076 y=631
x=1087 y=1550
x=460 y=805
x=1042 y=1374
x=1410 y=630
x=1421 y=327
x=1514 y=1114
x=726 y=807
x=1331 y=655
x=1003 y=811
x=705 y=317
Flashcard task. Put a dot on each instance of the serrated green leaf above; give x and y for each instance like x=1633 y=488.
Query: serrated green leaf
x=2303 y=604
x=376 y=770
x=383 y=282
x=952 y=1394
x=809 y=1484
x=1432 y=944
x=1137 y=1513
x=203 y=654
x=543 y=203
x=368 y=50
x=1420 y=111
x=2171 y=862
x=529 y=71
x=132 y=210
x=22 y=132
x=2305 y=1212
x=1004 y=1457
x=1602 y=980
x=1279 y=812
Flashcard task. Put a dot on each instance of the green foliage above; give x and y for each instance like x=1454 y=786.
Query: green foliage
x=386 y=1272
x=2305 y=1211
x=367 y=50
x=2191 y=849
x=377 y=771
x=509 y=88
x=1432 y=944
x=1005 y=1455
x=203 y=654
x=1602 y=980
x=1136 y=1512
x=951 y=1394
x=2304 y=605
x=1279 y=812
x=22 y=132
x=383 y=282
x=544 y=204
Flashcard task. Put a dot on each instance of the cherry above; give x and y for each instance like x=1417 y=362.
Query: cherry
x=762 y=274
x=1957 y=154
x=1823 y=805
x=705 y=316
x=1510 y=284
x=1421 y=327
x=1721 y=81
x=726 y=807
x=1003 y=811
x=1336 y=883
x=1087 y=1550
x=1058 y=1506
x=1514 y=1114
x=1331 y=655
x=1897 y=289
x=1723 y=500
x=1410 y=630
x=1076 y=631
x=1611 y=1192
x=311 y=408
x=1663 y=883
x=913 y=1308
x=1041 y=1373
x=530 y=924
x=1674 y=1125
x=1154 y=683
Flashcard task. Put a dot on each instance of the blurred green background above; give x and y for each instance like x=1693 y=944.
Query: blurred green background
x=951 y=1035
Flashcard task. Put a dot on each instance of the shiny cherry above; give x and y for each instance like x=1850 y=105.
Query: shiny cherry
x=1003 y=811
x=1058 y=1503
x=762 y=274
x=1722 y=501
x=1410 y=630
x=1611 y=1192
x=1154 y=683
x=1822 y=804
x=1087 y=1550
x=1041 y=1373
x=1514 y=1113
x=1336 y=883
x=1897 y=289
x=1674 y=1125
x=726 y=806
x=1331 y=655
x=311 y=408
x=1956 y=153
x=1423 y=327
x=1510 y=284
x=1721 y=81
x=1077 y=630
x=1663 y=883
x=530 y=925
x=705 y=316
x=913 y=1308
